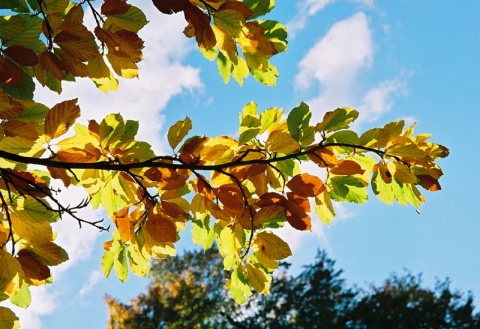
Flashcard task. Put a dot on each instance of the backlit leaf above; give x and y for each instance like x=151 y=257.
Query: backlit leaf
x=272 y=246
x=337 y=119
x=178 y=131
x=60 y=118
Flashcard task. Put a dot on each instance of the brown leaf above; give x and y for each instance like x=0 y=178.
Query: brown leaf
x=201 y=23
x=32 y=268
x=170 y=6
x=21 y=55
x=51 y=63
x=10 y=74
x=114 y=7
x=15 y=128
x=429 y=183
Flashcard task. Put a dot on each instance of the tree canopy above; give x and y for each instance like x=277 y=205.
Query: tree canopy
x=234 y=191
x=187 y=292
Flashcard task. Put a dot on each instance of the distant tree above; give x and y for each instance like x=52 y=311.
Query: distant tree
x=401 y=303
x=317 y=298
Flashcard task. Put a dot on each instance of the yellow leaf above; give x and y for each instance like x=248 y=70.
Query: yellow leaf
x=101 y=75
x=281 y=142
x=258 y=279
x=272 y=246
x=178 y=131
x=124 y=67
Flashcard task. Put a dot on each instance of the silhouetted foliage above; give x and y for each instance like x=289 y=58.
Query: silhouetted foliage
x=188 y=292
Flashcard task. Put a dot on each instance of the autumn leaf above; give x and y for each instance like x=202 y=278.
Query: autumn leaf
x=60 y=118
x=178 y=131
x=306 y=185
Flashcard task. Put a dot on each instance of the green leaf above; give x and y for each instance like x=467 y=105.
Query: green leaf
x=269 y=117
x=343 y=136
x=120 y=264
x=298 y=120
x=133 y=20
x=202 y=233
x=324 y=208
x=112 y=129
x=259 y=7
x=337 y=119
x=178 y=131
x=229 y=21
x=224 y=67
x=20 y=30
x=249 y=123
x=406 y=150
x=238 y=286
x=383 y=190
x=25 y=91
x=348 y=188
x=107 y=262
x=277 y=33
x=19 y=6
x=268 y=77
x=22 y=298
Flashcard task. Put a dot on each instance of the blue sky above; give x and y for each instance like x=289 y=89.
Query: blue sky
x=391 y=60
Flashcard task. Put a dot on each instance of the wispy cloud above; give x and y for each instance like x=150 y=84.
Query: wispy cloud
x=305 y=10
x=92 y=281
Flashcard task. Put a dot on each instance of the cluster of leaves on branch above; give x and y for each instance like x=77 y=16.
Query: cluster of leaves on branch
x=187 y=291
x=235 y=192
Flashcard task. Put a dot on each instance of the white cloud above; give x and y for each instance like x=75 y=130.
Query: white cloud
x=380 y=99
x=93 y=280
x=305 y=10
x=337 y=58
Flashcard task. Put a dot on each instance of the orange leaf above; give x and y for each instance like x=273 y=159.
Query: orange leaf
x=267 y=213
x=88 y=155
x=347 y=167
x=295 y=212
x=324 y=158
x=306 y=185
x=160 y=228
x=231 y=197
x=429 y=183
x=60 y=118
x=59 y=173
x=122 y=222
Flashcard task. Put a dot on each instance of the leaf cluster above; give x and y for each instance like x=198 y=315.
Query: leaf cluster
x=234 y=191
